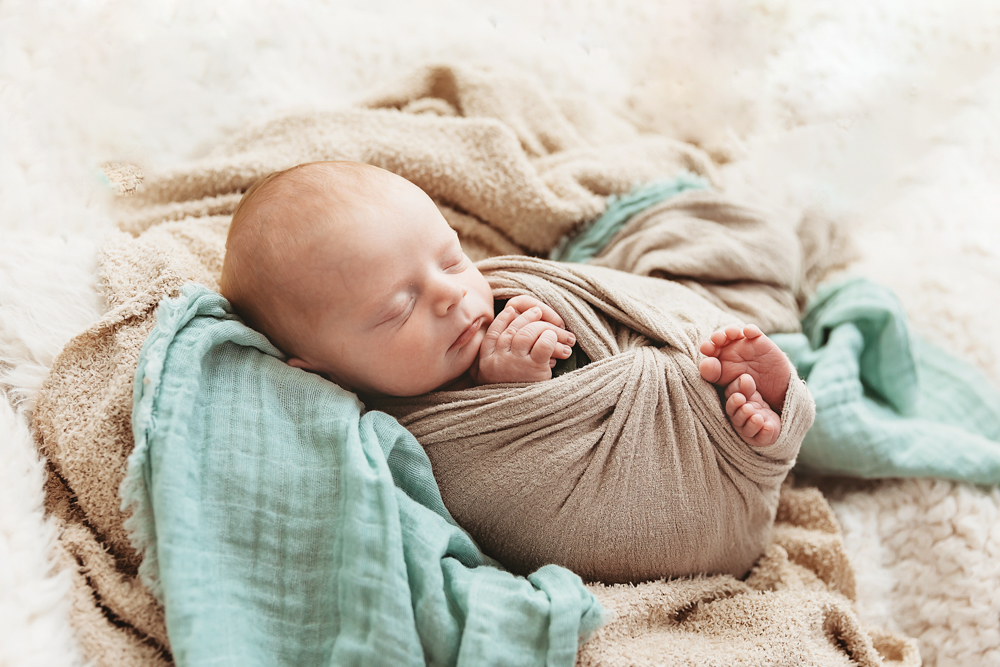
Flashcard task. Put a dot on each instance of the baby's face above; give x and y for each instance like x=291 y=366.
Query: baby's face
x=404 y=309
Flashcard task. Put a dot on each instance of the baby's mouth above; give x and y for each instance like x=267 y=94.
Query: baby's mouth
x=468 y=333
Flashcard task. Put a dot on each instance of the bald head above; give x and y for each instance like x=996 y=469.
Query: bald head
x=279 y=226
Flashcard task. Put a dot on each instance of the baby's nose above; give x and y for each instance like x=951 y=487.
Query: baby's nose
x=450 y=295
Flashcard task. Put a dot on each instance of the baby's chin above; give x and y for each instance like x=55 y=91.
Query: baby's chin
x=424 y=385
x=461 y=381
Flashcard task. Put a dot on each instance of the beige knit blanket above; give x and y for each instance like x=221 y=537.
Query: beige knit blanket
x=513 y=169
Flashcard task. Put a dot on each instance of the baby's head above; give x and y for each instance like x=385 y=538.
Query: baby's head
x=352 y=271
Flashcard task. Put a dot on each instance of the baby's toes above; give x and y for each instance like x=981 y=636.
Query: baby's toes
x=734 y=403
x=711 y=369
x=744 y=384
x=742 y=416
x=719 y=338
x=734 y=332
x=752 y=426
x=768 y=433
x=752 y=331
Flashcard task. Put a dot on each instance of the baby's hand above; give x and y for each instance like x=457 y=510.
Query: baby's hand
x=522 y=344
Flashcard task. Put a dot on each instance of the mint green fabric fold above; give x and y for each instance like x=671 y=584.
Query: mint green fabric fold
x=888 y=403
x=282 y=525
x=593 y=236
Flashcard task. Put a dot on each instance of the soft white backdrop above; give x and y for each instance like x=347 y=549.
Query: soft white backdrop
x=884 y=113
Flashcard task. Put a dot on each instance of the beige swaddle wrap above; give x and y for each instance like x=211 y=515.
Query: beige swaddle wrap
x=624 y=470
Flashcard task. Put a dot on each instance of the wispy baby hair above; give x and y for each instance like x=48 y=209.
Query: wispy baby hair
x=273 y=228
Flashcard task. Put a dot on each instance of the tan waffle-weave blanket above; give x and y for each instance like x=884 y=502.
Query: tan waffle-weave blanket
x=513 y=169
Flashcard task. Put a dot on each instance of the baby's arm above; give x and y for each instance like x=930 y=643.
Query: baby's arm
x=522 y=344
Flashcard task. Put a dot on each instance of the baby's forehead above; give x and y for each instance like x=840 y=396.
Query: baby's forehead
x=337 y=215
x=316 y=185
x=347 y=180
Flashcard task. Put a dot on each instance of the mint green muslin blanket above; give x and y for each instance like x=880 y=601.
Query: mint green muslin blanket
x=889 y=404
x=281 y=525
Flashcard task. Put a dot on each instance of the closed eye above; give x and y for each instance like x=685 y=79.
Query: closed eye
x=455 y=264
x=398 y=313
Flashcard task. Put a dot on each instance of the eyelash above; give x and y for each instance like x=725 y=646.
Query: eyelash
x=401 y=316
x=404 y=313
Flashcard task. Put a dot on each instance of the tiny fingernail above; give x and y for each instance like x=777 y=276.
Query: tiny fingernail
x=536 y=310
x=566 y=349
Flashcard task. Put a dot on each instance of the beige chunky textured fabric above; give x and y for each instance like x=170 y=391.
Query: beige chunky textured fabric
x=624 y=470
x=795 y=608
x=524 y=167
x=479 y=142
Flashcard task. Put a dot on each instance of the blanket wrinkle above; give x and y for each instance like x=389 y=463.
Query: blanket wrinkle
x=508 y=202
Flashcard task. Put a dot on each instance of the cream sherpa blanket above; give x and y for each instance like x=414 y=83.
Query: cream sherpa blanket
x=515 y=170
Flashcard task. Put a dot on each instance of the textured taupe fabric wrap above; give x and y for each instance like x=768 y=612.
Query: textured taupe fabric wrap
x=483 y=126
x=624 y=470
x=734 y=256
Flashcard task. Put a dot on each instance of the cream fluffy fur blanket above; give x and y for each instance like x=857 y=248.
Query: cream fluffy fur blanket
x=881 y=112
x=494 y=144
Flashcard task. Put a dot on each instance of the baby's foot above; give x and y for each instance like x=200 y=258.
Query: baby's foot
x=751 y=416
x=733 y=352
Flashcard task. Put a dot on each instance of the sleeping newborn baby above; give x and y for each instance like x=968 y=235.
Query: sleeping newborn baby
x=352 y=272
x=632 y=467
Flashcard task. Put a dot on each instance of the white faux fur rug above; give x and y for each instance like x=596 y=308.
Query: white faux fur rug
x=885 y=113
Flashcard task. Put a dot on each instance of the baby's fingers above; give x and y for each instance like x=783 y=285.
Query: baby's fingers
x=545 y=345
x=565 y=337
x=517 y=335
x=523 y=302
x=525 y=340
x=564 y=341
x=496 y=329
